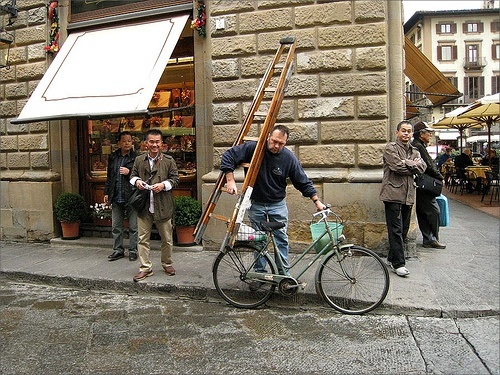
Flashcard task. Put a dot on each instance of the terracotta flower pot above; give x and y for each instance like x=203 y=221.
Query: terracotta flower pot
x=185 y=235
x=70 y=230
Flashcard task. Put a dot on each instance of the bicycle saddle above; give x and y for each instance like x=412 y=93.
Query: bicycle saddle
x=269 y=226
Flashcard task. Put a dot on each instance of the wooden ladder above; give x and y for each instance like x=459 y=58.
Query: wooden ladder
x=282 y=62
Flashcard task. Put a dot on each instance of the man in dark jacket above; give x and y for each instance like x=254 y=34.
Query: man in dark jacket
x=401 y=161
x=427 y=208
x=116 y=193
x=268 y=196
x=161 y=173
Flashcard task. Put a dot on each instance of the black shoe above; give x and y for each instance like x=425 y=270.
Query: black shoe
x=115 y=256
x=435 y=245
x=132 y=256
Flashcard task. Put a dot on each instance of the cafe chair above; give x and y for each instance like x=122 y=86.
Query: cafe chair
x=491 y=186
x=468 y=182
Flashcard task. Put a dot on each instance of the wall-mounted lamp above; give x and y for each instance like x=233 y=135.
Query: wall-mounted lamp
x=11 y=10
x=6 y=39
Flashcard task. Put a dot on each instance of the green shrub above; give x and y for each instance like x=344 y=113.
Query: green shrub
x=187 y=211
x=71 y=207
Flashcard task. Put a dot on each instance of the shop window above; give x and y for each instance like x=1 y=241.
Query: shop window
x=172 y=110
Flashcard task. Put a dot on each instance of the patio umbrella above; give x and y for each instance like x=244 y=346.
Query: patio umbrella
x=452 y=121
x=485 y=110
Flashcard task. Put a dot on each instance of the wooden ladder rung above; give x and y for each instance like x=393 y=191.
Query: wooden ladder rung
x=270 y=89
x=245 y=165
x=247 y=139
x=220 y=217
x=262 y=114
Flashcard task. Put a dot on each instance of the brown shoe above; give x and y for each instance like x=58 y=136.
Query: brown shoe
x=142 y=275
x=169 y=270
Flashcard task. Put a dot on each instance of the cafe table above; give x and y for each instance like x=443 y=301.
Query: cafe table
x=479 y=170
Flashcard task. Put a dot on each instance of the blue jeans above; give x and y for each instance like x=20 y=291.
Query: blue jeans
x=117 y=229
x=272 y=212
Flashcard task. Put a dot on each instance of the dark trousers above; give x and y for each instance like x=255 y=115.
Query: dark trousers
x=427 y=216
x=397 y=217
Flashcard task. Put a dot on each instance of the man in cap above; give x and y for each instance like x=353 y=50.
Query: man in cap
x=426 y=206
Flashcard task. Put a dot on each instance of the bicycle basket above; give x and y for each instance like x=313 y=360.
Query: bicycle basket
x=247 y=233
x=317 y=229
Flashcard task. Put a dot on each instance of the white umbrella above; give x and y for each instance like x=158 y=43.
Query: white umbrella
x=453 y=121
x=485 y=110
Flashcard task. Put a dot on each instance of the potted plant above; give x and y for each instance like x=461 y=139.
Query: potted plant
x=187 y=212
x=69 y=209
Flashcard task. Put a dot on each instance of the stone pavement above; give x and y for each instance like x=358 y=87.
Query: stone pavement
x=459 y=281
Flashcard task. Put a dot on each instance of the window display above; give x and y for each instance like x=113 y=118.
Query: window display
x=172 y=112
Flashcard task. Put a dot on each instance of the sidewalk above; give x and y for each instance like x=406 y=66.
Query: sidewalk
x=460 y=281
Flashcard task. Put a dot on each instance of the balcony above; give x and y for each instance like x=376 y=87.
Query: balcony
x=478 y=64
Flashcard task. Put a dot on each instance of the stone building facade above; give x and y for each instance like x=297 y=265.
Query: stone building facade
x=343 y=102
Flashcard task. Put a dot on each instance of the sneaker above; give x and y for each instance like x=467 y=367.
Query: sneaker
x=254 y=285
x=400 y=271
x=387 y=263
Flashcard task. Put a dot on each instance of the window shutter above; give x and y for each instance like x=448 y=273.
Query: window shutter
x=494 y=52
x=481 y=86
x=439 y=53
x=454 y=28
x=454 y=52
x=466 y=86
x=464 y=27
x=438 y=28
x=480 y=27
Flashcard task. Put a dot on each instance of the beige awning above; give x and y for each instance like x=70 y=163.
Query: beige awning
x=431 y=82
x=105 y=73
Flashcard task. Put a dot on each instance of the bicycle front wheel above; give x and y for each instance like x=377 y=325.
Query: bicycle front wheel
x=229 y=273
x=353 y=281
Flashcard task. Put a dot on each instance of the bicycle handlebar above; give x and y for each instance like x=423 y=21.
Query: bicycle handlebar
x=323 y=214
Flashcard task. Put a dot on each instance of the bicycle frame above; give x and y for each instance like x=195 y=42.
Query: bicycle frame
x=277 y=261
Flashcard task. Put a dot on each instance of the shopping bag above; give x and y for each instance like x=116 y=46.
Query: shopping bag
x=444 y=211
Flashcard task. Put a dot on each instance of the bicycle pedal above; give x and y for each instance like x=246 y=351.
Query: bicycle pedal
x=303 y=285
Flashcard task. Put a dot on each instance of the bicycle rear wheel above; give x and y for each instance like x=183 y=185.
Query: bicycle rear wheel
x=353 y=281
x=229 y=275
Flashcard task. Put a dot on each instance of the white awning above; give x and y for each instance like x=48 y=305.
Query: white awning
x=483 y=138
x=104 y=73
x=446 y=136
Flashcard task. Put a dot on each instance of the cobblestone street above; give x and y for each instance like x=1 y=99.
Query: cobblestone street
x=56 y=330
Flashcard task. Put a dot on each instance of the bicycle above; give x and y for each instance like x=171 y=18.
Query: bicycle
x=350 y=278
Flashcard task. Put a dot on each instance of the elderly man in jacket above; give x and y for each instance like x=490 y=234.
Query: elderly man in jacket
x=161 y=202
x=427 y=207
x=401 y=162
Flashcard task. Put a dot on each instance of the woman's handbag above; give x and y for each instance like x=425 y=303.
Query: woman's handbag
x=430 y=185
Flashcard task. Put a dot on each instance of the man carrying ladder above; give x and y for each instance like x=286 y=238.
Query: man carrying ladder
x=268 y=201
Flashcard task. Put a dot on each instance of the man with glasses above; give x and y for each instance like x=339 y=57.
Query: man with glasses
x=401 y=161
x=268 y=195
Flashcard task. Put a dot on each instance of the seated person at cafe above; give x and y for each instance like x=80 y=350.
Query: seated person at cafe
x=443 y=158
x=463 y=161
x=494 y=161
